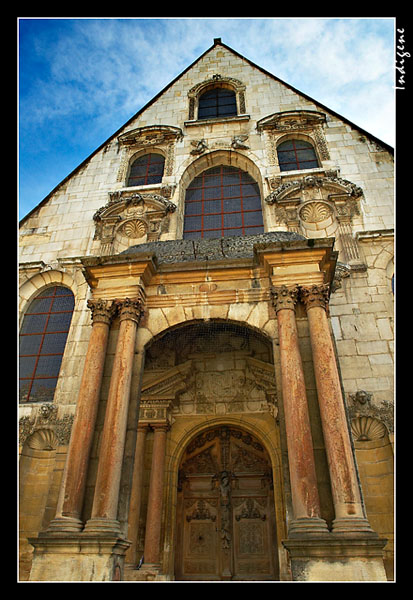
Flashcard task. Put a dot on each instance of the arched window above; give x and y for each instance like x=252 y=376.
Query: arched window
x=218 y=102
x=42 y=342
x=294 y=155
x=222 y=201
x=146 y=169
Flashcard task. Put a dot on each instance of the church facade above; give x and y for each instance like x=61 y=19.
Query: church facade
x=206 y=375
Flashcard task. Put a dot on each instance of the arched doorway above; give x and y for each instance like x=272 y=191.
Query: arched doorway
x=225 y=509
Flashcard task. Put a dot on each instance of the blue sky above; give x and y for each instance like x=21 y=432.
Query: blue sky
x=81 y=79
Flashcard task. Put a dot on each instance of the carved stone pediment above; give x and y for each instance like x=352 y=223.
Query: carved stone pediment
x=152 y=135
x=292 y=120
x=132 y=215
x=332 y=188
x=166 y=384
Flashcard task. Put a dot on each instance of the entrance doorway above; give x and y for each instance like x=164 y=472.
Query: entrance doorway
x=225 y=510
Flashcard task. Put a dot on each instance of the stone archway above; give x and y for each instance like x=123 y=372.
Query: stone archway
x=225 y=509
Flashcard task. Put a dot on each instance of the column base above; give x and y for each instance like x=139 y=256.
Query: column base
x=336 y=559
x=65 y=525
x=352 y=527
x=99 y=525
x=307 y=526
x=147 y=572
x=77 y=557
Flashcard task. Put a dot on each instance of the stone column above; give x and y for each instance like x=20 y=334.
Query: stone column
x=69 y=508
x=154 y=512
x=136 y=494
x=304 y=490
x=105 y=502
x=349 y=513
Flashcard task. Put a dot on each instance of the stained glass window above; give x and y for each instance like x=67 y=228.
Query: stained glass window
x=146 y=169
x=218 y=102
x=222 y=201
x=294 y=155
x=42 y=342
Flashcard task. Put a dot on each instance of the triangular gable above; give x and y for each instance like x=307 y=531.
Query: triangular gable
x=217 y=41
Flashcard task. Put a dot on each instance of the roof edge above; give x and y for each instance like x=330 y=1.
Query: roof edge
x=217 y=42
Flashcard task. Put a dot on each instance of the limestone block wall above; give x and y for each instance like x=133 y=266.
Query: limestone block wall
x=62 y=229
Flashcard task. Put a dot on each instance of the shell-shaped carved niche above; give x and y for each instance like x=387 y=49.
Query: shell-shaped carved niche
x=43 y=439
x=133 y=229
x=314 y=212
x=366 y=429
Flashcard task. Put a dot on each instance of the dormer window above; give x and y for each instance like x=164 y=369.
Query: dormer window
x=218 y=102
x=219 y=97
x=295 y=155
x=147 y=169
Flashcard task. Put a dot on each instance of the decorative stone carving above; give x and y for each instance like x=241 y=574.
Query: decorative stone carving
x=102 y=310
x=284 y=297
x=361 y=406
x=334 y=187
x=237 y=142
x=131 y=308
x=199 y=146
x=314 y=212
x=315 y=295
x=309 y=122
x=342 y=271
x=314 y=202
x=162 y=137
x=220 y=81
x=132 y=215
x=366 y=429
x=44 y=419
x=292 y=120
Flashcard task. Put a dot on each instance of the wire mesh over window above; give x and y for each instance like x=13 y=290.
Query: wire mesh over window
x=294 y=155
x=222 y=201
x=218 y=102
x=147 y=169
x=42 y=342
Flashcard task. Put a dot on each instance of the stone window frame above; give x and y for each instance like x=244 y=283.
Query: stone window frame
x=152 y=139
x=306 y=125
x=138 y=154
x=216 y=81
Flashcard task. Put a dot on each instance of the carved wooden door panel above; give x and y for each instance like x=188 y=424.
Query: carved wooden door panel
x=225 y=522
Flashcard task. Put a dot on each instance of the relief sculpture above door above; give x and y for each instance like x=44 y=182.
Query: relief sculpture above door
x=225 y=512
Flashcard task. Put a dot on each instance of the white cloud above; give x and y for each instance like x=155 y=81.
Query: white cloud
x=96 y=73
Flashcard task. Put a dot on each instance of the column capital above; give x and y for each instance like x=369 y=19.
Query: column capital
x=315 y=295
x=284 y=297
x=103 y=311
x=131 y=308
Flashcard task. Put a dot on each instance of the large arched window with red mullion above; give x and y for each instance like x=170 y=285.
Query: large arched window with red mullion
x=220 y=202
x=43 y=338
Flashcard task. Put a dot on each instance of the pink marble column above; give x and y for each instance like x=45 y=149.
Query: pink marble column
x=69 y=508
x=349 y=513
x=154 y=512
x=136 y=494
x=105 y=502
x=303 y=479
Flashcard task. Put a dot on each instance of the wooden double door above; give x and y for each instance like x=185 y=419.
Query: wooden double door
x=225 y=510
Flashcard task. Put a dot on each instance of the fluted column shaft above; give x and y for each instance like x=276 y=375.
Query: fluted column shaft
x=349 y=512
x=303 y=479
x=154 y=511
x=105 y=502
x=72 y=490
